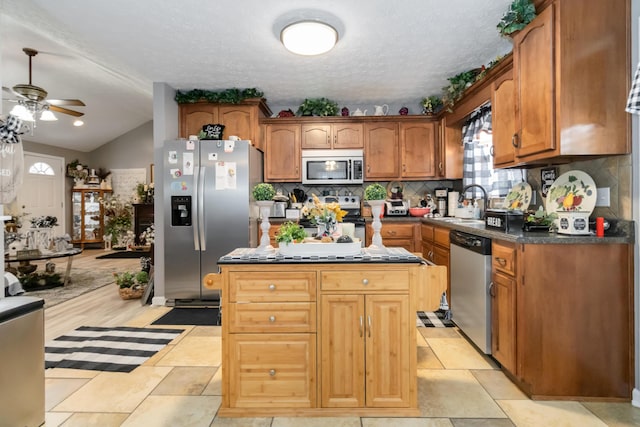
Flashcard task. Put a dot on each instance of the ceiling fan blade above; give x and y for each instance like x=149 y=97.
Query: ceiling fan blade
x=65 y=111
x=75 y=102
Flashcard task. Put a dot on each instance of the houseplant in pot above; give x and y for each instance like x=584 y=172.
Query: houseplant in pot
x=128 y=286
x=263 y=195
x=375 y=194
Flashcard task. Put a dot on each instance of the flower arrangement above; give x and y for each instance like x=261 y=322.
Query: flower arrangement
x=44 y=222
x=119 y=214
x=323 y=214
x=431 y=104
x=147 y=236
x=290 y=232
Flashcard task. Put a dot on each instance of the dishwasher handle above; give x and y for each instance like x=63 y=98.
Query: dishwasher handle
x=472 y=242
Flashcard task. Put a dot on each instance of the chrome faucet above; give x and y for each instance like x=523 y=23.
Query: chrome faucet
x=484 y=192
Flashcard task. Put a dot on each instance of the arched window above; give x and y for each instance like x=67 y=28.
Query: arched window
x=41 y=168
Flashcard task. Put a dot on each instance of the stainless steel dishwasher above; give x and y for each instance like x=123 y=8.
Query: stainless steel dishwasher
x=470 y=263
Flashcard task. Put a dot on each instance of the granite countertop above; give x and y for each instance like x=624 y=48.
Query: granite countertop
x=250 y=256
x=620 y=231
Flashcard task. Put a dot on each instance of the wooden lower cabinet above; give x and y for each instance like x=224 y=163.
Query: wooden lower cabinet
x=562 y=318
x=435 y=248
x=397 y=234
x=365 y=351
x=272 y=370
x=320 y=339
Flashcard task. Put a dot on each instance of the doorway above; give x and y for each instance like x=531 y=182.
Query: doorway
x=42 y=191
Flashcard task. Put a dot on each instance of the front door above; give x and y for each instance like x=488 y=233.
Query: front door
x=42 y=192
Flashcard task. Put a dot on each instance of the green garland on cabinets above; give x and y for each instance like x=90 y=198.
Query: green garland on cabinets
x=228 y=96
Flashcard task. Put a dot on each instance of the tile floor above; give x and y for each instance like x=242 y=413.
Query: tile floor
x=180 y=386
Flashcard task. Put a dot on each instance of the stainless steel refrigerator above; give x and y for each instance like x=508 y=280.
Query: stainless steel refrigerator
x=208 y=211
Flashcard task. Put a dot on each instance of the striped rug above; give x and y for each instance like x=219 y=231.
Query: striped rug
x=120 y=349
x=433 y=319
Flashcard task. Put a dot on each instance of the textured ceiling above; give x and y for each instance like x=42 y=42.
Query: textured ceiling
x=109 y=53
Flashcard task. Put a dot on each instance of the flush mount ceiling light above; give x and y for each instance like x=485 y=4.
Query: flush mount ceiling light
x=309 y=37
x=78 y=123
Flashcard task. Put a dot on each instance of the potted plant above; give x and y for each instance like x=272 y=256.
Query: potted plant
x=317 y=107
x=375 y=192
x=520 y=13
x=290 y=232
x=263 y=192
x=263 y=195
x=431 y=105
x=127 y=286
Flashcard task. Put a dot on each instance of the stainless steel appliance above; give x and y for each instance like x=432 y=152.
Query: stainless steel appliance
x=351 y=204
x=470 y=261
x=332 y=167
x=397 y=207
x=442 y=200
x=207 y=187
x=22 y=355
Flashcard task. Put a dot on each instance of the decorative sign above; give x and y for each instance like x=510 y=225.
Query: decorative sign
x=213 y=131
x=547 y=176
x=125 y=181
x=28 y=253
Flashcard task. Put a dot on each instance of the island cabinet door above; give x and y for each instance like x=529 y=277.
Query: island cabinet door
x=342 y=351
x=365 y=344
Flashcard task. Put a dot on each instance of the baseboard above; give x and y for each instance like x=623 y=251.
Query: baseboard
x=635 y=398
x=159 y=301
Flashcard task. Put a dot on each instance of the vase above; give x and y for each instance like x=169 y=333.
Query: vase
x=326 y=228
x=376 y=245
x=265 y=242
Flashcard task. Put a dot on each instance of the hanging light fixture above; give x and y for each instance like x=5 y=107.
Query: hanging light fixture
x=48 y=116
x=309 y=37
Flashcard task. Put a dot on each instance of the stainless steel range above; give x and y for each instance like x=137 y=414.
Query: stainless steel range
x=351 y=204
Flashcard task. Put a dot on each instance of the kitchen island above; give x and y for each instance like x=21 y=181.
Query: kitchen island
x=320 y=336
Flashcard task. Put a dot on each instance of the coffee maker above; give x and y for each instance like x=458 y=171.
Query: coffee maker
x=441 y=200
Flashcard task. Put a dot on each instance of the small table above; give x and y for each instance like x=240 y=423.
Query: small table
x=69 y=253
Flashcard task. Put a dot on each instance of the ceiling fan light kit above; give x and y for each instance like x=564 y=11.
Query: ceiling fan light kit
x=309 y=37
x=32 y=100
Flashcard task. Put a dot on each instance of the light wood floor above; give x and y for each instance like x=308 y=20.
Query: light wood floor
x=101 y=307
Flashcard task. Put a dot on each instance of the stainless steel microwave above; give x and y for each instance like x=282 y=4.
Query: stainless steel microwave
x=332 y=167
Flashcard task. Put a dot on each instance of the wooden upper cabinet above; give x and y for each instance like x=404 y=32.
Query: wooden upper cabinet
x=571 y=81
x=382 y=151
x=534 y=68
x=503 y=119
x=418 y=149
x=332 y=135
x=282 y=153
x=238 y=119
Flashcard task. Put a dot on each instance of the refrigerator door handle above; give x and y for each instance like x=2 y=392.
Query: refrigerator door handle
x=196 y=242
x=203 y=242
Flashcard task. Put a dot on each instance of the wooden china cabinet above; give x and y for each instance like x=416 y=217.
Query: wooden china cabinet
x=88 y=215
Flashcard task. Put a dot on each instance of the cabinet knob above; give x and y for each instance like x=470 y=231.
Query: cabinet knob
x=272 y=319
x=272 y=287
x=365 y=281
x=501 y=261
x=272 y=372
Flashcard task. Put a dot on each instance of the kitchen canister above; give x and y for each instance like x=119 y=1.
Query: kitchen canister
x=452 y=203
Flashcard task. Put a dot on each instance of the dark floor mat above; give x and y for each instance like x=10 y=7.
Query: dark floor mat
x=190 y=316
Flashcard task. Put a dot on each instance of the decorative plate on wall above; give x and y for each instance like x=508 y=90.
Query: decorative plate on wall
x=572 y=191
x=518 y=198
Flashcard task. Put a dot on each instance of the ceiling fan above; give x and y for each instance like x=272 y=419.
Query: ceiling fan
x=33 y=99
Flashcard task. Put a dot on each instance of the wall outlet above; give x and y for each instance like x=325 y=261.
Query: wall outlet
x=603 y=198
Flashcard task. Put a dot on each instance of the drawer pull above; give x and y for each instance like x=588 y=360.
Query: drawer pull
x=272 y=319
x=272 y=287
x=365 y=281
x=272 y=372
x=369 y=322
x=501 y=261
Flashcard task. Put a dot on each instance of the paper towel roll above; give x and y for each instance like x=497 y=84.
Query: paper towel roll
x=452 y=204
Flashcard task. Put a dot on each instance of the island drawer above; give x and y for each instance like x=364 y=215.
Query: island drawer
x=272 y=286
x=503 y=257
x=272 y=317
x=397 y=230
x=365 y=280
x=274 y=370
